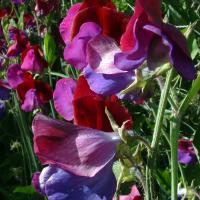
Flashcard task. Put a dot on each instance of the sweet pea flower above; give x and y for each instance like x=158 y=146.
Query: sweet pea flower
x=134 y=194
x=186 y=152
x=33 y=59
x=103 y=13
x=44 y=7
x=18 y=1
x=85 y=106
x=4 y=95
x=20 y=42
x=79 y=150
x=147 y=37
x=56 y=184
x=29 y=21
x=32 y=93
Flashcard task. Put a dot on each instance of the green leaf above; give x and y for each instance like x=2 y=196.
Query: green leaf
x=50 y=49
x=25 y=189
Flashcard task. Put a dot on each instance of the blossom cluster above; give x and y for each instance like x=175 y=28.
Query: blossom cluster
x=115 y=57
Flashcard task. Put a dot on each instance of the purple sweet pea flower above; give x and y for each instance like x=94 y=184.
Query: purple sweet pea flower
x=146 y=34
x=94 y=54
x=79 y=150
x=15 y=75
x=4 y=95
x=186 y=152
x=18 y=1
x=58 y=184
x=75 y=52
x=33 y=59
x=20 y=42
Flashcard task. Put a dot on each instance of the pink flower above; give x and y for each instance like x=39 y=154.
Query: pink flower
x=33 y=59
x=76 y=149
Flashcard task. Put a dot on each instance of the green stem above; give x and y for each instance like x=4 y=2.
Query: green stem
x=174 y=130
x=25 y=137
x=157 y=133
x=161 y=110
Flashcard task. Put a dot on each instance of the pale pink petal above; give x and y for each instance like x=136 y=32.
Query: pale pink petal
x=100 y=55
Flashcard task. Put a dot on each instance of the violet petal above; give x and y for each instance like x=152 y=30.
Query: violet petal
x=63 y=97
x=107 y=84
x=75 y=52
x=15 y=75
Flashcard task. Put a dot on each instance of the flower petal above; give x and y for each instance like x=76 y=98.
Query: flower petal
x=79 y=150
x=15 y=75
x=178 y=52
x=59 y=184
x=107 y=84
x=89 y=108
x=135 y=57
x=31 y=101
x=63 y=96
x=100 y=54
x=75 y=52
x=67 y=23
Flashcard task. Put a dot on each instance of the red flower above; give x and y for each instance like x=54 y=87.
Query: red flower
x=44 y=7
x=104 y=13
x=86 y=107
x=33 y=93
x=33 y=59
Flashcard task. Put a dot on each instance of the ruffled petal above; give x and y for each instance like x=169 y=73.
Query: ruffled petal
x=100 y=54
x=63 y=97
x=89 y=108
x=75 y=52
x=59 y=184
x=107 y=84
x=31 y=101
x=15 y=75
x=79 y=150
x=178 y=53
x=135 y=57
x=67 y=23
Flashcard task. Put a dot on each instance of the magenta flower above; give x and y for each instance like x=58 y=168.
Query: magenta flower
x=56 y=183
x=87 y=108
x=79 y=150
x=186 y=152
x=18 y=1
x=134 y=194
x=147 y=37
x=33 y=59
x=20 y=42
x=32 y=93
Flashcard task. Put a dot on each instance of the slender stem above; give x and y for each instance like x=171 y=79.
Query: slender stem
x=161 y=110
x=157 y=133
x=174 y=130
x=25 y=137
x=51 y=102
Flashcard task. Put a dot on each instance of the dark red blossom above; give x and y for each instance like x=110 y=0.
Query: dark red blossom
x=89 y=108
x=44 y=7
x=104 y=13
